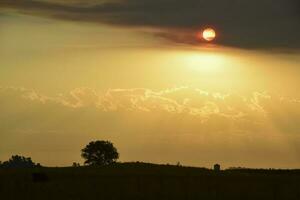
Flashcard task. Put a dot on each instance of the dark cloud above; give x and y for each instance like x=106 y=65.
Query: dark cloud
x=257 y=24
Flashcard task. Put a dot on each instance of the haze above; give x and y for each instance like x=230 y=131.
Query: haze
x=66 y=82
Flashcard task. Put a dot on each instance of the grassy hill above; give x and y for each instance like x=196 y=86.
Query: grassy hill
x=148 y=181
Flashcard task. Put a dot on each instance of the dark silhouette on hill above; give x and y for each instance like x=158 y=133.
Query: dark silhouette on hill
x=99 y=153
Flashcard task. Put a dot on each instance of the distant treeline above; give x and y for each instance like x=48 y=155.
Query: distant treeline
x=17 y=161
x=102 y=153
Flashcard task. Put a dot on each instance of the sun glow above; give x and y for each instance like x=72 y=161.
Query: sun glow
x=209 y=34
x=206 y=62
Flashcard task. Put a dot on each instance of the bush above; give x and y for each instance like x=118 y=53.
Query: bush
x=17 y=161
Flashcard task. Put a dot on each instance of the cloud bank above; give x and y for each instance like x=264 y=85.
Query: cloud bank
x=246 y=113
x=255 y=24
x=187 y=124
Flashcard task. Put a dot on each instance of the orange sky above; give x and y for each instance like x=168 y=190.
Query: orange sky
x=63 y=84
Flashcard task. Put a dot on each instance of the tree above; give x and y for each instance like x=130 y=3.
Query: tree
x=99 y=153
x=18 y=162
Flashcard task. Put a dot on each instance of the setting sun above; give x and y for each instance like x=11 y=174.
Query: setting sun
x=209 y=34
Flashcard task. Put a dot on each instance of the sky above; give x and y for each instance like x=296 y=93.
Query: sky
x=134 y=72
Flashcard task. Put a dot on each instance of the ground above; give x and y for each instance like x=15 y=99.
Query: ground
x=148 y=181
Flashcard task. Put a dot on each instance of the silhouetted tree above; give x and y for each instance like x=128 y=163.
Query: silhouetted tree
x=217 y=167
x=99 y=153
x=18 y=162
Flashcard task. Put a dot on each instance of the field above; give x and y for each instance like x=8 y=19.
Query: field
x=148 y=181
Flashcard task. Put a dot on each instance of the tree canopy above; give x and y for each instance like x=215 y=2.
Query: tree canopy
x=17 y=161
x=100 y=153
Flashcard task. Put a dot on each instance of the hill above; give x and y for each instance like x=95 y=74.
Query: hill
x=148 y=181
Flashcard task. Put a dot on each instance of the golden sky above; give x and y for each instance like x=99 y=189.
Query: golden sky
x=65 y=83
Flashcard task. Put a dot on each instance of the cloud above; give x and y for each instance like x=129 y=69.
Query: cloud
x=255 y=24
x=245 y=113
x=176 y=122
